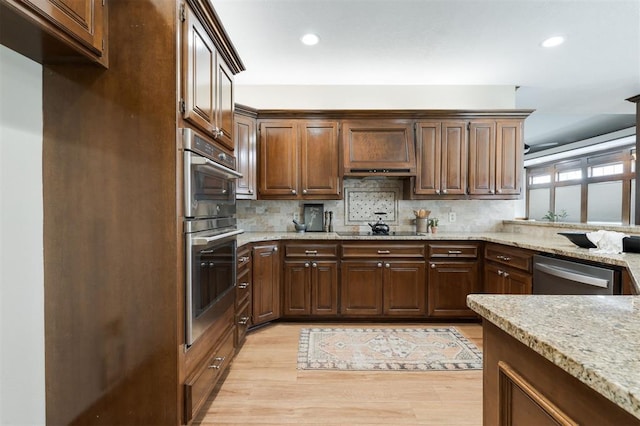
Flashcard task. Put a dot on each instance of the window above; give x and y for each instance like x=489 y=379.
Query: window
x=595 y=188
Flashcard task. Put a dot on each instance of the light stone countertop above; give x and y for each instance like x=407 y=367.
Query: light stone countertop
x=596 y=339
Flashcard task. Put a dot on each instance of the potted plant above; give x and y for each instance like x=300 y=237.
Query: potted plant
x=433 y=224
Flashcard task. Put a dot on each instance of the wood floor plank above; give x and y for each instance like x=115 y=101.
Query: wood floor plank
x=264 y=387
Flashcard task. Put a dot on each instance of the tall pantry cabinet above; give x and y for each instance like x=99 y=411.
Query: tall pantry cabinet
x=113 y=225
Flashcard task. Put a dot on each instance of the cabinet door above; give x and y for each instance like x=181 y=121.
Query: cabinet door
x=266 y=283
x=361 y=293
x=83 y=19
x=493 y=281
x=404 y=288
x=245 y=150
x=454 y=158
x=319 y=158
x=509 y=157
x=278 y=173
x=482 y=157
x=517 y=282
x=429 y=155
x=297 y=288
x=198 y=74
x=324 y=287
x=449 y=284
x=224 y=104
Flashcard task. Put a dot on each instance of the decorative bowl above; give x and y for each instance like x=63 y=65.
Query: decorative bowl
x=578 y=238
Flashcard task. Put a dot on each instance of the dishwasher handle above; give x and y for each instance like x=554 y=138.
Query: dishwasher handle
x=572 y=276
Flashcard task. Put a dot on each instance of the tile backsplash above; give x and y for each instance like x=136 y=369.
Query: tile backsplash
x=364 y=197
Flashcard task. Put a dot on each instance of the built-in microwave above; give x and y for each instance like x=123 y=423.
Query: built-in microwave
x=209 y=179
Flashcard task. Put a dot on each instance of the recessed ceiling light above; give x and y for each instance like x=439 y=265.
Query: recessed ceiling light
x=310 y=39
x=553 y=41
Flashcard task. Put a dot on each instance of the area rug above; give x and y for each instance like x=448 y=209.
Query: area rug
x=364 y=349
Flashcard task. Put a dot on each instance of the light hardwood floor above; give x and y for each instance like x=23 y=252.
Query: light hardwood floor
x=263 y=387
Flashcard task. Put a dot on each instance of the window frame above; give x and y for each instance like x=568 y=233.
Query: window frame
x=624 y=155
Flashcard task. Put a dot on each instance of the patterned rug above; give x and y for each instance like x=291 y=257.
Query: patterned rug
x=416 y=349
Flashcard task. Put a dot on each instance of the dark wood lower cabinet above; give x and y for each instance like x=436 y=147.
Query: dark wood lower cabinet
x=501 y=280
x=310 y=287
x=404 y=288
x=361 y=293
x=449 y=284
x=520 y=387
x=266 y=283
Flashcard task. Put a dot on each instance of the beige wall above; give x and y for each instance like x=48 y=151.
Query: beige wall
x=376 y=97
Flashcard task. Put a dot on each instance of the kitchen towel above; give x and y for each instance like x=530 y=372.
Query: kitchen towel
x=607 y=242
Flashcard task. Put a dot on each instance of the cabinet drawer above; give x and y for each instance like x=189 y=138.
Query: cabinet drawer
x=243 y=289
x=311 y=250
x=198 y=387
x=244 y=258
x=510 y=256
x=455 y=250
x=243 y=321
x=353 y=250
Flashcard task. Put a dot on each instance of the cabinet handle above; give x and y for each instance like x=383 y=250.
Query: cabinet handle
x=433 y=266
x=379 y=265
x=384 y=252
x=455 y=251
x=505 y=274
x=311 y=252
x=314 y=264
x=500 y=272
x=304 y=191
x=244 y=259
x=306 y=264
x=243 y=285
x=294 y=192
x=505 y=258
x=220 y=360
x=387 y=265
x=243 y=320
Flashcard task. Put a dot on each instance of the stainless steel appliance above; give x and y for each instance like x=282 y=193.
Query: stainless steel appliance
x=552 y=275
x=210 y=233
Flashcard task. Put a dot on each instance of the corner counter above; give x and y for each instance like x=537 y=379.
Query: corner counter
x=593 y=340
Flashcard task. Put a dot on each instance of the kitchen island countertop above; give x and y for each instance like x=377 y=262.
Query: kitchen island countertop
x=595 y=339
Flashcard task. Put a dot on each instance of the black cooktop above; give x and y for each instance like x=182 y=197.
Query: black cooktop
x=370 y=234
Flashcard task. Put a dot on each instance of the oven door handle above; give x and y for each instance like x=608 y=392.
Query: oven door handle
x=199 y=161
x=572 y=276
x=203 y=241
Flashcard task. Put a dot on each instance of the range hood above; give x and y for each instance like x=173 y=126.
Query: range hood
x=375 y=148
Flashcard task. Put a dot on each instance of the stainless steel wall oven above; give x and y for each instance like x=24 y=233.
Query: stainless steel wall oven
x=210 y=233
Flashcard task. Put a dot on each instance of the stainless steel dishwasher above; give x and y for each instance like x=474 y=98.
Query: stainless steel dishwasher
x=552 y=275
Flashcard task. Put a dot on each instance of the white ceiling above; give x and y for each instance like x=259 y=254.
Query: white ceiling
x=577 y=89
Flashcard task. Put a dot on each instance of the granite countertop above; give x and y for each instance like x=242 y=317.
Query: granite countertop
x=593 y=338
x=557 y=245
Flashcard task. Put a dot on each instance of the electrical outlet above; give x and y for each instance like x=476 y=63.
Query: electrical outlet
x=452 y=216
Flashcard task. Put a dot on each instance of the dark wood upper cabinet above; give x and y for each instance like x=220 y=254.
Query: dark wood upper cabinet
x=245 y=150
x=442 y=158
x=299 y=159
x=50 y=31
x=373 y=147
x=207 y=82
x=496 y=154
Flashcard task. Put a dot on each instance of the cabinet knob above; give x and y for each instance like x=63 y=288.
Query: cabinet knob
x=499 y=191
x=437 y=191
x=444 y=191
x=379 y=265
x=314 y=264
x=306 y=264
x=222 y=156
x=500 y=272
x=294 y=192
x=304 y=191
x=387 y=265
x=505 y=274
x=250 y=191
x=491 y=191
x=275 y=249
x=433 y=266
